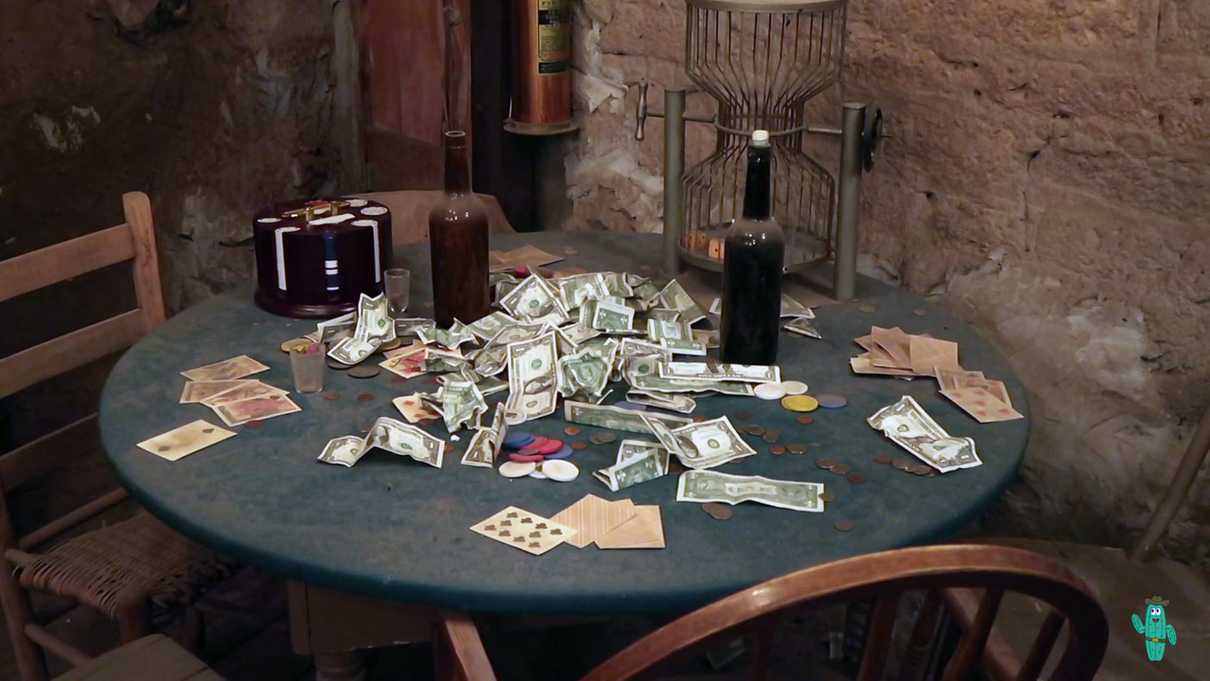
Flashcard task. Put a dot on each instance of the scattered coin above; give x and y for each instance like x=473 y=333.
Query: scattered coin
x=254 y=424
x=718 y=511
x=794 y=387
x=579 y=445
x=772 y=436
x=866 y=307
x=516 y=469
x=805 y=420
x=840 y=469
x=743 y=416
x=831 y=401
x=920 y=312
x=754 y=430
x=365 y=397
x=391 y=345
x=339 y=366
x=295 y=345
x=883 y=459
x=331 y=397
x=796 y=449
x=843 y=525
x=902 y=464
x=699 y=418
x=571 y=430
x=855 y=478
x=825 y=464
x=777 y=450
x=828 y=497
x=603 y=438
x=769 y=391
x=365 y=371
x=801 y=403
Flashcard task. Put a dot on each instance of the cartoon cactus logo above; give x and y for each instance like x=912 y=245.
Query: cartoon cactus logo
x=1154 y=627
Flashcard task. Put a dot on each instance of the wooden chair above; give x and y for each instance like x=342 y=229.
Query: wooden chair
x=1122 y=581
x=121 y=568
x=882 y=577
x=154 y=658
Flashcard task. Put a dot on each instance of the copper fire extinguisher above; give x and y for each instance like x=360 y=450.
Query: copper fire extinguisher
x=541 y=93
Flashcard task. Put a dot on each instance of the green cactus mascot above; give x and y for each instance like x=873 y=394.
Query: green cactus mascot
x=1155 y=628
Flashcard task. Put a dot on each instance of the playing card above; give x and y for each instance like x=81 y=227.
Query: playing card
x=414 y=410
x=928 y=354
x=256 y=409
x=644 y=531
x=236 y=367
x=409 y=364
x=246 y=391
x=196 y=391
x=594 y=517
x=524 y=530
x=982 y=405
x=180 y=442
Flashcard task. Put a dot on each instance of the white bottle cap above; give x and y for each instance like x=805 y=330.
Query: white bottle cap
x=760 y=138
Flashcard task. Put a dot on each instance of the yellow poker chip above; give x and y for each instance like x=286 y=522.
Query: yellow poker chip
x=800 y=403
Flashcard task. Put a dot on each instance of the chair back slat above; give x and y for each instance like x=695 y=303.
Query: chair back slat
x=1039 y=652
x=70 y=351
x=37 y=458
x=66 y=260
x=970 y=649
x=876 y=576
x=146 y=262
x=878 y=638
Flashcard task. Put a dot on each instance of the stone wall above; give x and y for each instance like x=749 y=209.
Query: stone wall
x=1049 y=179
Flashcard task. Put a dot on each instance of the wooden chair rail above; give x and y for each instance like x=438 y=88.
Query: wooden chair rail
x=69 y=520
x=57 y=646
x=70 y=351
x=66 y=260
x=36 y=458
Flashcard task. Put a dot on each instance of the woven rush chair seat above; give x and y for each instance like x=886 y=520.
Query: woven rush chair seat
x=136 y=559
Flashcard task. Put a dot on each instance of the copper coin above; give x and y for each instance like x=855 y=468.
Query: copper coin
x=754 y=430
x=843 y=525
x=777 y=450
x=391 y=344
x=571 y=430
x=331 y=397
x=902 y=464
x=772 y=436
x=602 y=438
x=805 y=420
x=365 y=397
x=743 y=416
x=365 y=371
x=825 y=464
x=718 y=511
x=840 y=469
x=699 y=418
x=883 y=459
x=338 y=366
x=579 y=445
x=828 y=497
x=797 y=448
x=856 y=478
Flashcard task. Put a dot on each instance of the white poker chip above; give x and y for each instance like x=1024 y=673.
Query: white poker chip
x=560 y=470
x=794 y=387
x=537 y=474
x=770 y=391
x=516 y=469
x=357 y=203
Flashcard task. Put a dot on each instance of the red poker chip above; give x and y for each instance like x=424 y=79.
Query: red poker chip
x=527 y=458
x=543 y=446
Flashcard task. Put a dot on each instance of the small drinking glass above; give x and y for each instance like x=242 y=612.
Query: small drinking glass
x=308 y=364
x=397 y=283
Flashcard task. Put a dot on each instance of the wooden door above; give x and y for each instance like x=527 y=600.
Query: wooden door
x=415 y=76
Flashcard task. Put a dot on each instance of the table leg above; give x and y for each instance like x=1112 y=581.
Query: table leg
x=350 y=666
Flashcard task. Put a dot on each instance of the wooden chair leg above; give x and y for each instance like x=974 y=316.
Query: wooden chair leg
x=31 y=663
x=193 y=631
x=134 y=619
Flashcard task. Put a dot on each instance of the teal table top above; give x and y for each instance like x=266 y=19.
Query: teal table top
x=396 y=529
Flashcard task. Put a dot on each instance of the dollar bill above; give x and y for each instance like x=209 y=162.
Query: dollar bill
x=485 y=446
x=616 y=418
x=461 y=403
x=612 y=317
x=374 y=327
x=337 y=328
x=637 y=461
x=909 y=426
x=706 y=337
x=532 y=379
x=577 y=288
x=683 y=347
x=533 y=299
x=487 y=327
x=633 y=347
x=578 y=333
x=586 y=371
x=699 y=486
x=514 y=334
x=438 y=361
x=614 y=284
x=352 y=350
x=803 y=327
x=676 y=297
x=406 y=327
x=393 y=436
x=793 y=308
x=703 y=445
x=703 y=371
x=491 y=360
x=662 y=329
x=670 y=401
x=457 y=334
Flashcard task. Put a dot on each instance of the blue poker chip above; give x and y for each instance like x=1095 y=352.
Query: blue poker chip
x=516 y=439
x=564 y=453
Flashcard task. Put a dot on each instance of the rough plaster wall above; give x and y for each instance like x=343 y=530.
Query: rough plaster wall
x=1049 y=179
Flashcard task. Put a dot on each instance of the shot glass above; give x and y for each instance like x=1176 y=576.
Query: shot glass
x=397 y=283
x=308 y=365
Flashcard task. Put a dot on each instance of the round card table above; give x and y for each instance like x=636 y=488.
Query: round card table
x=393 y=531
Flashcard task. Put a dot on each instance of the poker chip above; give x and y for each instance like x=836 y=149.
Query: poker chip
x=800 y=403
x=516 y=439
x=560 y=471
x=564 y=453
x=537 y=474
x=525 y=458
x=516 y=469
x=770 y=391
x=794 y=387
x=544 y=446
x=830 y=401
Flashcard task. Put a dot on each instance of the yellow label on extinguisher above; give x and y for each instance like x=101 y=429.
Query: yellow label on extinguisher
x=554 y=36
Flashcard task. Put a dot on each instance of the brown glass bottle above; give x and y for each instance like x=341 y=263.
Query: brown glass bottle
x=458 y=241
